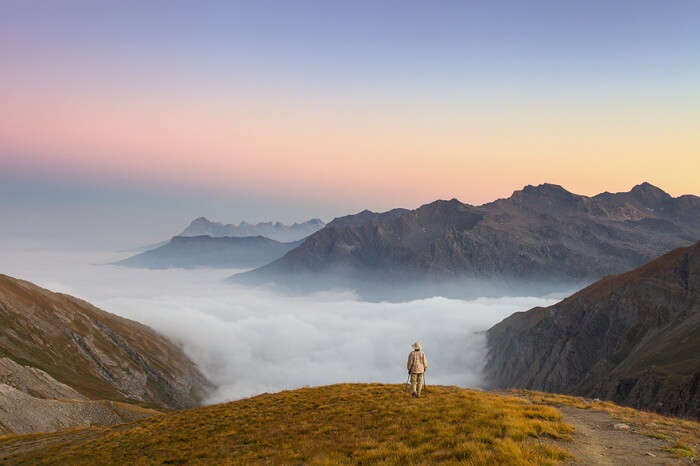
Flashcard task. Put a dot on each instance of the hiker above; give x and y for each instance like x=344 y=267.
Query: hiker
x=417 y=364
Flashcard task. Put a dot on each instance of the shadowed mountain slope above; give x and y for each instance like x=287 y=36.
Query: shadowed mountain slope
x=632 y=338
x=55 y=346
x=205 y=251
x=541 y=233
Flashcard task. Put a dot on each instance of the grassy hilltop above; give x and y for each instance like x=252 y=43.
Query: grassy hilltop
x=349 y=423
x=376 y=424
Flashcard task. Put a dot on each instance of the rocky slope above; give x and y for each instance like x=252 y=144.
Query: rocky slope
x=274 y=230
x=206 y=251
x=34 y=382
x=57 y=347
x=21 y=413
x=539 y=234
x=632 y=338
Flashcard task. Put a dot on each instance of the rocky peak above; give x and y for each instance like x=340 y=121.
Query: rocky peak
x=546 y=189
x=545 y=196
x=451 y=207
x=648 y=194
x=365 y=217
x=454 y=202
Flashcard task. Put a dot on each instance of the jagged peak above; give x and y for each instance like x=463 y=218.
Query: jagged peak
x=546 y=188
x=543 y=190
x=647 y=190
x=454 y=202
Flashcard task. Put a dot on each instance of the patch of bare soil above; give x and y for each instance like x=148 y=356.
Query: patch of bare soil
x=597 y=441
x=19 y=444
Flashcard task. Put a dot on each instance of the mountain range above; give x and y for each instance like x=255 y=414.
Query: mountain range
x=274 y=230
x=64 y=362
x=541 y=234
x=632 y=338
x=207 y=251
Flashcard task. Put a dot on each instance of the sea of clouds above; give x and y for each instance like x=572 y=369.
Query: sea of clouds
x=253 y=340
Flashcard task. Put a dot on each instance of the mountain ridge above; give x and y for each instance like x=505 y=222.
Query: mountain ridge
x=630 y=338
x=206 y=251
x=540 y=233
x=201 y=226
x=64 y=361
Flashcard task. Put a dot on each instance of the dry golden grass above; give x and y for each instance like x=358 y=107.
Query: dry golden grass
x=337 y=424
x=682 y=432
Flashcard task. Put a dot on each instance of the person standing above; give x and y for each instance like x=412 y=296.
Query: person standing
x=417 y=364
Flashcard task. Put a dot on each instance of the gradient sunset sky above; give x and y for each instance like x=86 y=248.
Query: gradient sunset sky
x=127 y=119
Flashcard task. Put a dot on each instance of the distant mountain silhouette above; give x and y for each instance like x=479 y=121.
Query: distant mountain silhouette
x=632 y=338
x=276 y=231
x=540 y=233
x=205 y=251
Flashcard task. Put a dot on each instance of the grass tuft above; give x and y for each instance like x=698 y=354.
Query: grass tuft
x=682 y=450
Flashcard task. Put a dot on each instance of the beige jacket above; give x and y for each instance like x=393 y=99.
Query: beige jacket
x=417 y=362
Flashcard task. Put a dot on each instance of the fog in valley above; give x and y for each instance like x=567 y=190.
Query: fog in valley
x=251 y=340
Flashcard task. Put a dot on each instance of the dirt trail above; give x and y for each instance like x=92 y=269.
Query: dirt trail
x=597 y=442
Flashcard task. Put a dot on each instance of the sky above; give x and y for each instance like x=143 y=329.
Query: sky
x=122 y=121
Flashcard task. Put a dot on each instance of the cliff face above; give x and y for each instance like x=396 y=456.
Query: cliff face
x=541 y=233
x=632 y=338
x=55 y=346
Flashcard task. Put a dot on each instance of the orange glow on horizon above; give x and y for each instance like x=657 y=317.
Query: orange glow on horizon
x=405 y=159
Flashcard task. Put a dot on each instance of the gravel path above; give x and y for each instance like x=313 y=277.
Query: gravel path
x=598 y=442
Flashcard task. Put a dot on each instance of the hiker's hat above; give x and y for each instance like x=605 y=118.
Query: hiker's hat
x=416 y=346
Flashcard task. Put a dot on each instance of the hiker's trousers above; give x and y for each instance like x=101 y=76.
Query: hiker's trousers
x=416 y=383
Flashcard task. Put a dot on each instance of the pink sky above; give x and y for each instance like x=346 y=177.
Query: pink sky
x=339 y=109
x=342 y=152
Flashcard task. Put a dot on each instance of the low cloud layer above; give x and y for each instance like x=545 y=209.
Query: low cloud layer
x=249 y=341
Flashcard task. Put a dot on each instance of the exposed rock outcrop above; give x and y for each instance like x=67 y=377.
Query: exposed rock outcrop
x=35 y=382
x=21 y=413
x=632 y=338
